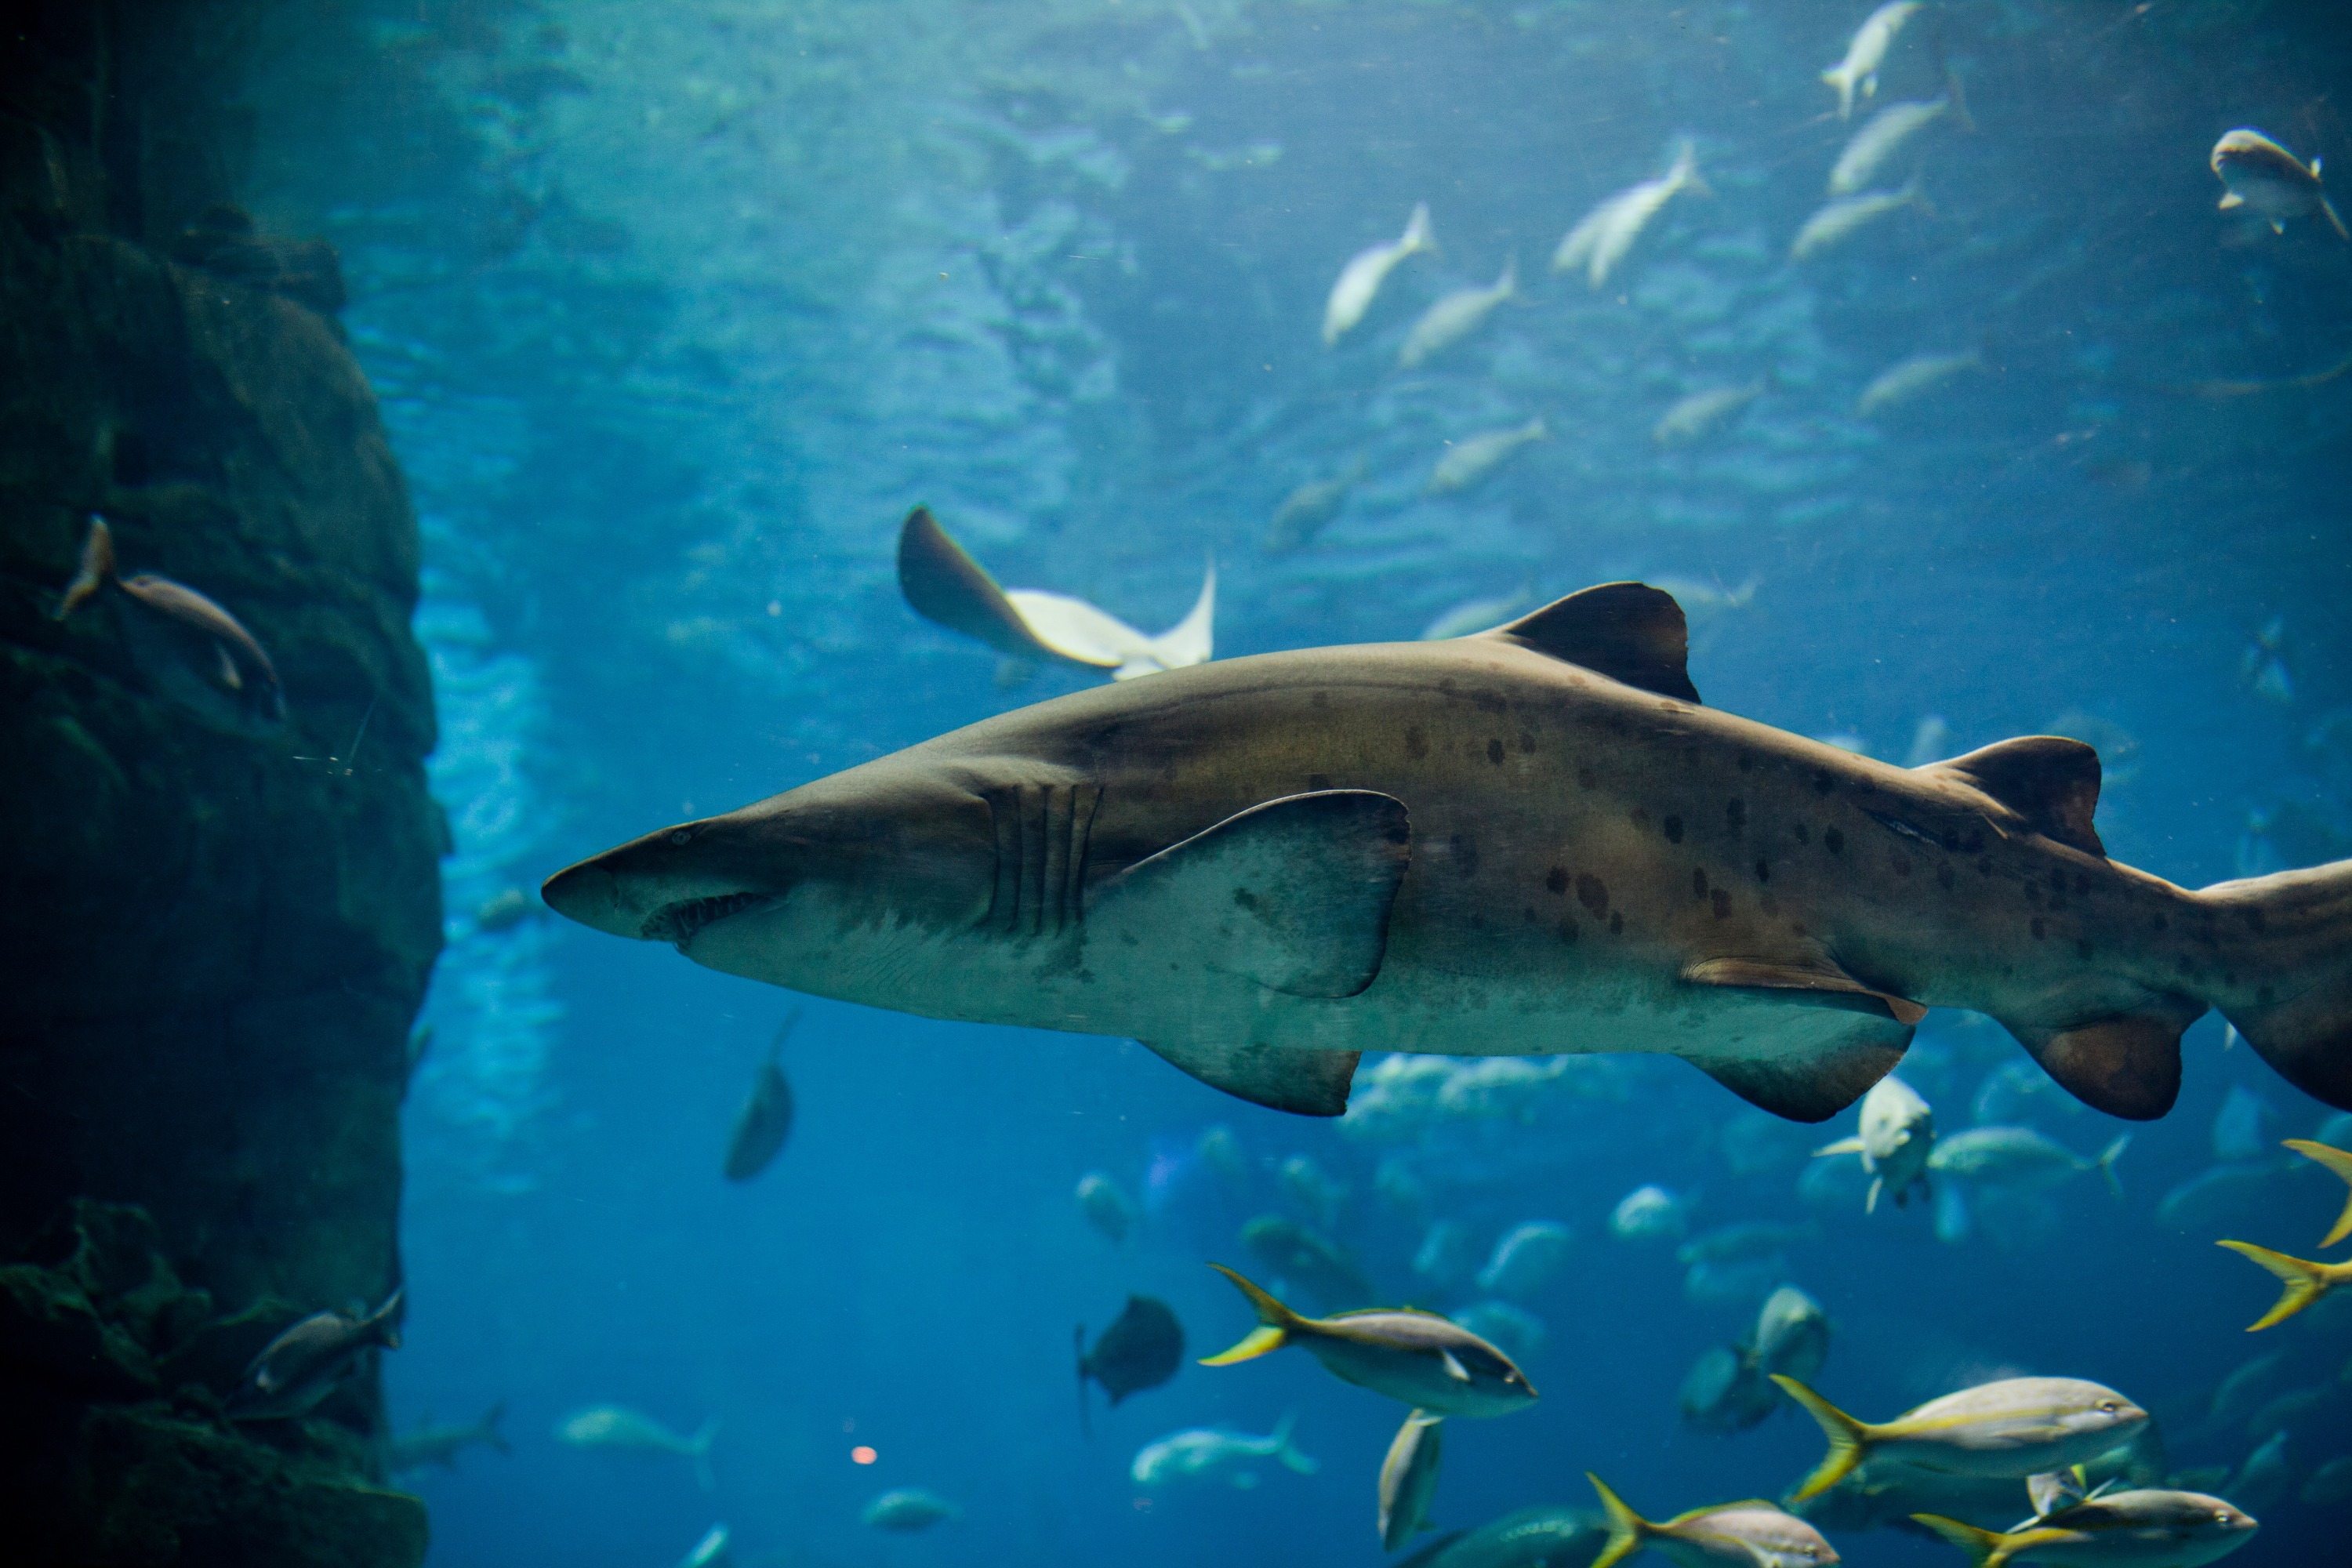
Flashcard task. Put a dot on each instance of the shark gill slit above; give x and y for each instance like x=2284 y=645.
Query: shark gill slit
x=1042 y=832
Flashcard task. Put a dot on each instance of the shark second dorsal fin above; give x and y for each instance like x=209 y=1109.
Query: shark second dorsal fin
x=1626 y=631
x=2051 y=782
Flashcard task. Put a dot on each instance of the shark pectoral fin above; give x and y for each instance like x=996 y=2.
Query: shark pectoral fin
x=1293 y=894
x=1626 y=631
x=2127 y=1065
x=1305 y=1083
x=944 y=584
x=1820 y=984
x=2051 y=782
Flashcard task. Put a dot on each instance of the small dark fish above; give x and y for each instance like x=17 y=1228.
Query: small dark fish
x=766 y=1118
x=310 y=1361
x=194 y=653
x=440 y=1444
x=1141 y=1350
x=1307 y=1260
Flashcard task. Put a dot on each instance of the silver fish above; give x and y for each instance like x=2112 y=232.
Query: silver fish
x=1901 y=382
x=296 y=1371
x=1360 y=280
x=1473 y=457
x=1866 y=53
x=1603 y=237
x=2269 y=181
x=1838 y=218
x=1456 y=316
x=1201 y=1452
x=1409 y=1478
x=2016 y=1426
x=1751 y=1535
x=1896 y=1140
x=1880 y=139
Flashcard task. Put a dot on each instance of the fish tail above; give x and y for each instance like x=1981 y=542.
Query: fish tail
x=1849 y=1439
x=1686 y=174
x=1628 y=1530
x=2339 y=1162
x=1287 y=1453
x=2305 y=1281
x=2284 y=979
x=384 y=1321
x=1417 y=233
x=1276 y=1323
x=96 y=571
x=1985 y=1548
x=2107 y=1158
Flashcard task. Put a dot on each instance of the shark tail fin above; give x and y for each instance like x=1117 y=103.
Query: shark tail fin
x=2287 y=985
x=1849 y=1439
x=1628 y=1530
x=2305 y=1281
x=2340 y=1162
x=1985 y=1548
x=2107 y=1158
x=96 y=571
x=1276 y=1323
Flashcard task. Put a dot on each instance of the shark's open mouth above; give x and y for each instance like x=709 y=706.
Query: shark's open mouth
x=678 y=923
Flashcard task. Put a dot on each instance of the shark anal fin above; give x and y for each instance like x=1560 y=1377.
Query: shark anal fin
x=2051 y=782
x=1626 y=631
x=1815 y=1088
x=1293 y=894
x=2127 y=1065
x=1305 y=1083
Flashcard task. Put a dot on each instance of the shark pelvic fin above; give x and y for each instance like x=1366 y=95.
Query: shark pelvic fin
x=1626 y=631
x=1818 y=1042
x=1305 y=1083
x=2051 y=782
x=1293 y=894
x=2128 y=1065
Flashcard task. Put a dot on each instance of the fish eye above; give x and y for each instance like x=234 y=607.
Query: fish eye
x=2109 y=1405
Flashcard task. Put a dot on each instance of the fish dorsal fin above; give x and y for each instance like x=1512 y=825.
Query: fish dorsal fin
x=1626 y=631
x=2051 y=782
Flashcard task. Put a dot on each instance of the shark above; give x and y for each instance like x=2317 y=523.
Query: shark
x=1534 y=840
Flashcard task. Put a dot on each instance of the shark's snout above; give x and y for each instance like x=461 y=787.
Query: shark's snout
x=588 y=894
x=669 y=885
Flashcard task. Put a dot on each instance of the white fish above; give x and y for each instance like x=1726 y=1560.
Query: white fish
x=1473 y=457
x=908 y=1510
x=1692 y=416
x=944 y=584
x=2021 y=1158
x=2271 y=181
x=1897 y=1138
x=1603 y=237
x=1867 y=53
x=1526 y=1258
x=1901 y=382
x=1881 y=137
x=1456 y=316
x=1842 y=215
x=1409 y=1478
x=1650 y=1214
x=1203 y=1452
x=617 y=1429
x=1472 y=616
x=1107 y=1208
x=1360 y=280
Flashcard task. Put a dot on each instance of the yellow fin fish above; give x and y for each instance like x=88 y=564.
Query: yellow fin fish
x=2340 y=1162
x=2175 y=1529
x=2010 y=1428
x=1428 y=1362
x=1750 y=1532
x=2306 y=1281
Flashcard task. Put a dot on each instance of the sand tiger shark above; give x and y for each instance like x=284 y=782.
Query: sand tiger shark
x=1529 y=841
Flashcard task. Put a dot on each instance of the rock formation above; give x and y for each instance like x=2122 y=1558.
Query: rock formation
x=211 y=945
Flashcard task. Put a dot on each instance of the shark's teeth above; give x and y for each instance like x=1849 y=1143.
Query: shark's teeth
x=678 y=923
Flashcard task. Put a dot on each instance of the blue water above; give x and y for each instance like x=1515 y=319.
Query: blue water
x=674 y=311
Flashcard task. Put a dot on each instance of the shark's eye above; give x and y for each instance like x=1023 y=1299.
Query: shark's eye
x=682 y=836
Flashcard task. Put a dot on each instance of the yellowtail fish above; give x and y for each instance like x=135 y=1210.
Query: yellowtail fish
x=2339 y=1162
x=1840 y=217
x=1896 y=1140
x=2306 y=1281
x=1867 y=53
x=1901 y=382
x=1456 y=316
x=1750 y=1534
x=1419 y=1358
x=1360 y=281
x=2016 y=1426
x=1881 y=136
x=195 y=654
x=2127 y=1529
x=1473 y=458
x=1692 y=416
x=1603 y=237
x=943 y=584
x=2262 y=175
x=1409 y=1478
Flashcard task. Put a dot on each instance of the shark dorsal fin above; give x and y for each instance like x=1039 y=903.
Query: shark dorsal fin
x=1626 y=631
x=2053 y=782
